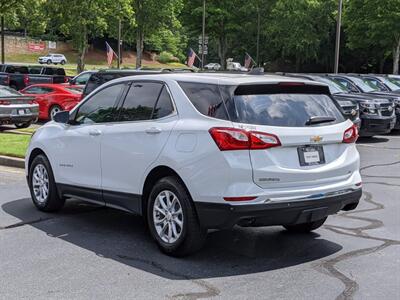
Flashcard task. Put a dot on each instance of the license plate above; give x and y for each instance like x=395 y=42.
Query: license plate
x=21 y=111
x=311 y=155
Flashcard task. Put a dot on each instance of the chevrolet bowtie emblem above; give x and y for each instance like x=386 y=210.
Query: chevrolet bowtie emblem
x=316 y=138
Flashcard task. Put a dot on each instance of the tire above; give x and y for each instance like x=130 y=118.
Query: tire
x=53 y=110
x=305 y=227
x=49 y=62
x=23 y=125
x=51 y=201
x=189 y=237
x=63 y=62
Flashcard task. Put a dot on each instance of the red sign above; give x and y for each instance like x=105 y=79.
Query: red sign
x=36 y=46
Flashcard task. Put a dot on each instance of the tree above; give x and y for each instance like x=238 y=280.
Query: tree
x=374 y=25
x=299 y=28
x=153 y=16
x=83 y=20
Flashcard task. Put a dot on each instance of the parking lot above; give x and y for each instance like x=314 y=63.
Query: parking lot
x=87 y=251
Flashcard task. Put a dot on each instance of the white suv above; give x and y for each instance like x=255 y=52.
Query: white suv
x=53 y=59
x=192 y=152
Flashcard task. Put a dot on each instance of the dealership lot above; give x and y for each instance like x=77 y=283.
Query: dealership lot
x=92 y=252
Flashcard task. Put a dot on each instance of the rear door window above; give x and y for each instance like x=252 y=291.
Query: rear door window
x=140 y=101
x=285 y=110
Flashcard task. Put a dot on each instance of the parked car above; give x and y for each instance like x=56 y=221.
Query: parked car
x=193 y=152
x=347 y=103
x=213 y=66
x=17 y=76
x=394 y=79
x=235 y=66
x=52 y=58
x=98 y=78
x=16 y=108
x=53 y=98
x=381 y=83
x=39 y=74
x=81 y=78
x=4 y=79
x=379 y=113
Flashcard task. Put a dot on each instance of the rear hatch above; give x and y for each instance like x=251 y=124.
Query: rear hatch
x=308 y=129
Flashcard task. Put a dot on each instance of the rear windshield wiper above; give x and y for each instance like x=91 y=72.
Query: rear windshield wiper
x=319 y=120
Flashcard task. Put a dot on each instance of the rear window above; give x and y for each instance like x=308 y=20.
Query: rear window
x=60 y=71
x=285 y=110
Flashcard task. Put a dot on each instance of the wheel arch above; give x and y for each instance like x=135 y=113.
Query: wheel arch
x=152 y=177
x=35 y=152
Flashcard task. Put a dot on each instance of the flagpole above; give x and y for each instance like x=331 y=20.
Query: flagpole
x=337 y=45
x=203 y=33
x=119 y=43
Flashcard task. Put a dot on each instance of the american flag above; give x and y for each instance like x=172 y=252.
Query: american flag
x=191 y=58
x=247 y=60
x=110 y=54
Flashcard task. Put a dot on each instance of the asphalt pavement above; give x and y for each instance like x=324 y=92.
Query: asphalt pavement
x=91 y=252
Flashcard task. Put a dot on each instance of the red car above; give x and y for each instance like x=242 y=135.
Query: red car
x=53 y=98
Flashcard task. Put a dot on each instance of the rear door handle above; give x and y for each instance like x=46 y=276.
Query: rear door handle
x=153 y=130
x=94 y=132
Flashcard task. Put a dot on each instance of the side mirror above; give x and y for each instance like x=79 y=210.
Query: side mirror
x=61 y=117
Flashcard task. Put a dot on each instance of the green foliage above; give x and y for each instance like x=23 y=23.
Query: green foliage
x=374 y=26
x=166 y=57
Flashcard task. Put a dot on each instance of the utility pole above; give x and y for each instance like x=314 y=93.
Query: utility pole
x=2 y=41
x=337 y=46
x=203 y=34
x=258 y=37
x=119 y=43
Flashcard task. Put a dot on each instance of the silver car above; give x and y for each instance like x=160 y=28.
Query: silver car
x=16 y=108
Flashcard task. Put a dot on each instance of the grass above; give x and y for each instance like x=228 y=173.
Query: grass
x=14 y=145
x=91 y=64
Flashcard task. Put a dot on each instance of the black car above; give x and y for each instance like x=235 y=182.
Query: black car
x=102 y=76
x=376 y=108
x=348 y=104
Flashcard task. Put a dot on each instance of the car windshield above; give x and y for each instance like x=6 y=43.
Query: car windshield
x=391 y=85
x=396 y=81
x=334 y=87
x=8 y=92
x=286 y=110
x=362 y=85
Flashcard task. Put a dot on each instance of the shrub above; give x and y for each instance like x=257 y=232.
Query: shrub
x=166 y=57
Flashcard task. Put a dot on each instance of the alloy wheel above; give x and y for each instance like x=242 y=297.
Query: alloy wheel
x=168 y=216
x=40 y=183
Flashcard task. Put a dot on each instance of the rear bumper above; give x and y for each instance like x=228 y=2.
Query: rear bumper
x=224 y=216
x=372 y=125
x=18 y=114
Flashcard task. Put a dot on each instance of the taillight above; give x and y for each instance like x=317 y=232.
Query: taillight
x=230 y=138
x=7 y=80
x=26 y=80
x=350 y=135
x=5 y=102
x=261 y=140
x=66 y=79
x=239 y=139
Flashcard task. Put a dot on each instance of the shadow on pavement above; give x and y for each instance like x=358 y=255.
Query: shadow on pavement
x=124 y=238
x=372 y=140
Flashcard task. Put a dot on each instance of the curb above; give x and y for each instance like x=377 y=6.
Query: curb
x=12 y=162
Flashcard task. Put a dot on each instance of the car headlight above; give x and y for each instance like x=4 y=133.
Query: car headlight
x=397 y=101
x=368 y=105
x=368 y=108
